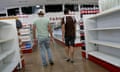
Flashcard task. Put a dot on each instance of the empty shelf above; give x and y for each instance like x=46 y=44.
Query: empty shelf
x=3 y=23
x=106 y=57
x=106 y=43
x=107 y=12
x=9 y=67
x=5 y=54
x=110 y=28
x=5 y=40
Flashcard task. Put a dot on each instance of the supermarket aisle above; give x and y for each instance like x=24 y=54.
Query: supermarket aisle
x=33 y=63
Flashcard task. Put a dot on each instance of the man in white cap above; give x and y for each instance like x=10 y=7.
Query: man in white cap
x=43 y=29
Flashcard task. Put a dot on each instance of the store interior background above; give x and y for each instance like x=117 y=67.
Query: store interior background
x=26 y=12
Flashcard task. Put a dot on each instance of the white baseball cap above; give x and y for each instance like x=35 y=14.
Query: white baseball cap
x=40 y=10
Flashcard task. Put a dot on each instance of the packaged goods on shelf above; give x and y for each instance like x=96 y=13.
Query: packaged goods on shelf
x=26 y=37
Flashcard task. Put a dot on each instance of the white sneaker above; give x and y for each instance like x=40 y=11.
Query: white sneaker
x=67 y=59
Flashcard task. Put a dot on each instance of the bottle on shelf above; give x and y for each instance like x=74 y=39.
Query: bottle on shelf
x=81 y=9
x=82 y=37
x=85 y=9
x=92 y=9
x=81 y=24
x=97 y=9
x=88 y=9
x=83 y=46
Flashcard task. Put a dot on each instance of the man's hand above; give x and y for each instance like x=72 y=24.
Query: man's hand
x=51 y=38
x=63 y=38
x=63 y=32
x=35 y=43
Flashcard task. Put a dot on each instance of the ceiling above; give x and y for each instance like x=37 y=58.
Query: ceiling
x=18 y=3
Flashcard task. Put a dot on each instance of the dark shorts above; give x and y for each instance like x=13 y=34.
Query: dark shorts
x=70 y=41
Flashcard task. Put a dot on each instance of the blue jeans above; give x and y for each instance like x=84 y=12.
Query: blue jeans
x=44 y=46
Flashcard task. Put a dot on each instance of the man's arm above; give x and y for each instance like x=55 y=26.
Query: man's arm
x=34 y=31
x=34 y=35
x=74 y=21
x=63 y=28
x=50 y=30
x=63 y=31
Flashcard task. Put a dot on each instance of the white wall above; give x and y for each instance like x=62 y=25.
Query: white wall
x=20 y=3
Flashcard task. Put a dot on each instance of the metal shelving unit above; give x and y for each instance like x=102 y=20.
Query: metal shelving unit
x=102 y=36
x=9 y=48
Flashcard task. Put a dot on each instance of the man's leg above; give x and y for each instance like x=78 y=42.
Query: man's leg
x=67 y=51
x=72 y=54
x=49 y=53
x=42 y=53
x=72 y=43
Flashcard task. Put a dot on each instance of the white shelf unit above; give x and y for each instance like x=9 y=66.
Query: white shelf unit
x=58 y=35
x=106 y=57
x=105 y=43
x=24 y=31
x=82 y=31
x=102 y=32
x=5 y=54
x=9 y=48
x=5 y=40
x=111 y=28
x=105 y=5
x=26 y=37
x=56 y=26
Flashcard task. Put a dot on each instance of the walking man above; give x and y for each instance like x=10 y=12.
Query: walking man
x=68 y=34
x=43 y=29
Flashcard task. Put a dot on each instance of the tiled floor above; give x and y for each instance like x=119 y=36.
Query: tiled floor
x=33 y=62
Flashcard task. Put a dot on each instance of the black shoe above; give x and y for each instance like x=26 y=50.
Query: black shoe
x=67 y=59
x=51 y=63
x=45 y=65
x=72 y=61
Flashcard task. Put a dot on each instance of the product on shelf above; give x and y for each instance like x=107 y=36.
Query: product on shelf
x=81 y=26
x=26 y=38
x=88 y=9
